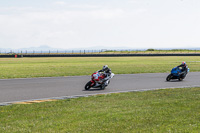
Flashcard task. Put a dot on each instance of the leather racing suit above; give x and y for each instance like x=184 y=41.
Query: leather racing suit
x=184 y=70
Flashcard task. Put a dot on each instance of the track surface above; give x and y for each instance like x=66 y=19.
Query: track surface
x=38 y=88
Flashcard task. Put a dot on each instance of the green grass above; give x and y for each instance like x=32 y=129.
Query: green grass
x=52 y=67
x=160 y=111
x=152 y=51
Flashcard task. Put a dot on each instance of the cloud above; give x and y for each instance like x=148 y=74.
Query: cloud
x=85 y=6
x=106 y=14
x=50 y=27
x=62 y=24
x=133 y=1
x=60 y=3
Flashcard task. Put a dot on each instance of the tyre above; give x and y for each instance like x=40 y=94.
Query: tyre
x=180 y=79
x=103 y=86
x=88 y=85
x=168 y=77
x=184 y=76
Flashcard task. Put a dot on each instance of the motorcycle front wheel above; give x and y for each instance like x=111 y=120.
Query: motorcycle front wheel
x=88 y=85
x=168 y=77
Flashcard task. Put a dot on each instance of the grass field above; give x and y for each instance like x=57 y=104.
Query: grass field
x=50 y=67
x=170 y=110
x=160 y=111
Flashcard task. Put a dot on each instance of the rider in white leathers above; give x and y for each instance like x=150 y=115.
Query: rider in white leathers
x=107 y=72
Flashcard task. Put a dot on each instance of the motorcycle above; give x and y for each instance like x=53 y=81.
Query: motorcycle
x=96 y=81
x=175 y=74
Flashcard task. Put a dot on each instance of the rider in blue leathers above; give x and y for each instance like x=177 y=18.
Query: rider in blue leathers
x=184 y=69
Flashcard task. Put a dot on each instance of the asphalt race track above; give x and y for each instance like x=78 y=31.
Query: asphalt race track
x=38 y=88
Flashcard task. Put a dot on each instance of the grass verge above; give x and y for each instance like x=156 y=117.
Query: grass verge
x=71 y=66
x=168 y=110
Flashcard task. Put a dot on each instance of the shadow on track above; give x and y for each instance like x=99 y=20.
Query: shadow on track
x=174 y=81
x=93 y=90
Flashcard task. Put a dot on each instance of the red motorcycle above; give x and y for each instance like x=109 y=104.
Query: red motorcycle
x=98 y=80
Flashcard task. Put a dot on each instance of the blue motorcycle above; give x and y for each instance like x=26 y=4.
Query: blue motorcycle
x=176 y=74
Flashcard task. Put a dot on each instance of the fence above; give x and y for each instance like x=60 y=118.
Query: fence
x=49 y=51
x=103 y=51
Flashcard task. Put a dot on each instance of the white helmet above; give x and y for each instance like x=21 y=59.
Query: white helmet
x=105 y=67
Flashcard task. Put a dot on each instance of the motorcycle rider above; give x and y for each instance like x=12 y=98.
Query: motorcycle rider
x=184 y=69
x=107 y=72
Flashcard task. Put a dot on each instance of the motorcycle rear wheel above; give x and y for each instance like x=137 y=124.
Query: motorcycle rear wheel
x=103 y=86
x=180 y=79
x=88 y=85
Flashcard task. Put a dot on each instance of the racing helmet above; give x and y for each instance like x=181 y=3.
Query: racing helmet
x=183 y=63
x=105 y=67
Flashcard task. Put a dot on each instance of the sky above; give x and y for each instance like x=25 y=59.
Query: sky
x=100 y=23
